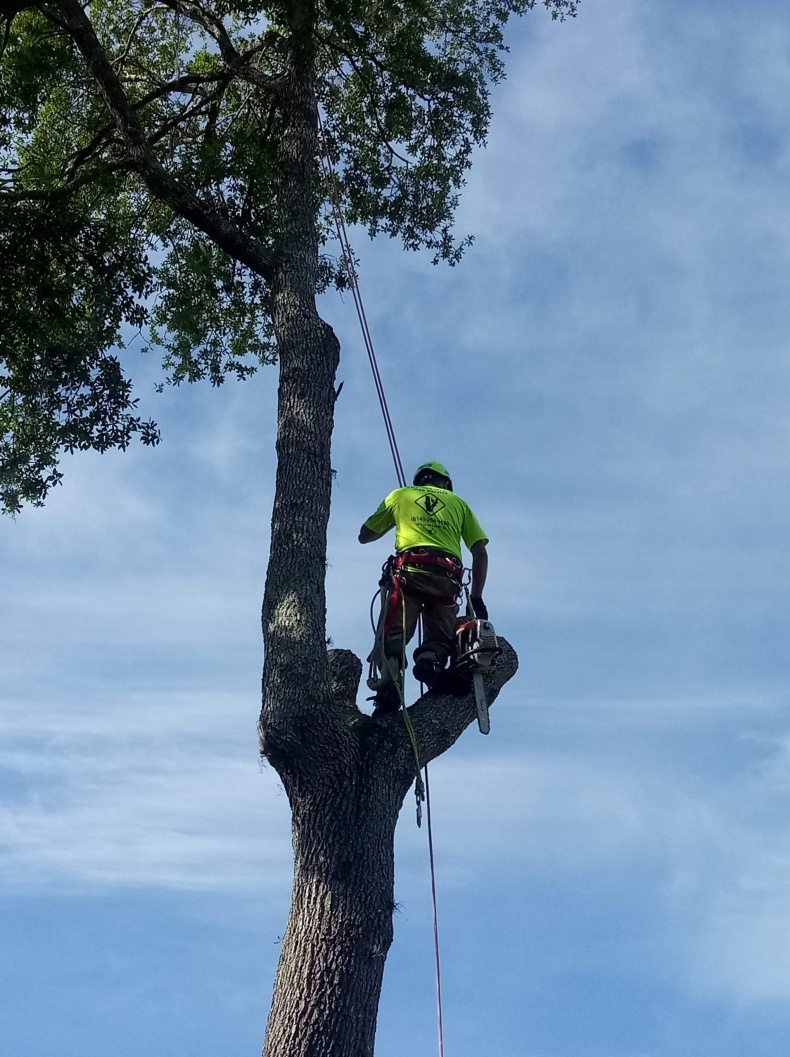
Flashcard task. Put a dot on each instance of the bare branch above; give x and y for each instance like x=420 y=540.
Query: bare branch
x=373 y=96
x=182 y=116
x=144 y=14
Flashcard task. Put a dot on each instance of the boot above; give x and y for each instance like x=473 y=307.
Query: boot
x=451 y=681
x=386 y=700
x=427 y=669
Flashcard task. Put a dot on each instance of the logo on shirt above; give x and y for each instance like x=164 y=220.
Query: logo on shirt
x=430 y=503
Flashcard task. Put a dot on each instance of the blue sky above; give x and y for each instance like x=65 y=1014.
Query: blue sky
x=606 y=374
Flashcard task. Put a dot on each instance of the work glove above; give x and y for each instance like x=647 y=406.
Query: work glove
x=479 y=607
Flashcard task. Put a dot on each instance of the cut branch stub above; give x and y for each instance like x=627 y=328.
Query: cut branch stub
x=345 y=672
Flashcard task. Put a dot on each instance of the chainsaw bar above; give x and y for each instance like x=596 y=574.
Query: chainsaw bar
x=482 y=704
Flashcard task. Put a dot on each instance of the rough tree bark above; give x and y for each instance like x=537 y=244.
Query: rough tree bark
x=345 y=773
x=346 y=779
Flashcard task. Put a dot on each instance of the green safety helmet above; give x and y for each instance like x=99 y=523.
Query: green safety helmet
x=433 y=468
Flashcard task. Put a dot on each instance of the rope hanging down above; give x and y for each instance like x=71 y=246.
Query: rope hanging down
x=348 y=258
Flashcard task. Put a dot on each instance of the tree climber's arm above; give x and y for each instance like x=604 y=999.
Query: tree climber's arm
x=479 y=574
x=367 y=535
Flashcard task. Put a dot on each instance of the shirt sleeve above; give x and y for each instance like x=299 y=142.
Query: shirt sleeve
x=383 y=518
x=471 y=532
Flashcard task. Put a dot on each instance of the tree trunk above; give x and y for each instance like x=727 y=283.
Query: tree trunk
x=346 y=783
x=345 y=773
x=345 y=795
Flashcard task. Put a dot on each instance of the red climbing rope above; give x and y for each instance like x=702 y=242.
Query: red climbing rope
x=353 y=282
x=435 y=915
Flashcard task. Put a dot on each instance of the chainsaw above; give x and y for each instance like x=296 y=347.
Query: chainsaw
x=476 y=648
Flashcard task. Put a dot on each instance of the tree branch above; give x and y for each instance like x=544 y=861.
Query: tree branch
x=144 y=14
x=95 y=173
x=234 y=60
x=52 y=193
x=6 y=34
x=440 y=719
x=188 y=112
x=345 y=671
x=180 y=84
x=365 y=49
x=373 y=97
x=157 y=179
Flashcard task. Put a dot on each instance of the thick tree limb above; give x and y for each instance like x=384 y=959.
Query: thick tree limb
x=70 y=15
x=440 y=719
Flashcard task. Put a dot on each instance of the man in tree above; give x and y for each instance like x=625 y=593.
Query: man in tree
x=159 y=172
x=425 y=576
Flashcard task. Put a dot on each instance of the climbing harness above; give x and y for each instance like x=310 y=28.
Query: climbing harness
x=392 y=585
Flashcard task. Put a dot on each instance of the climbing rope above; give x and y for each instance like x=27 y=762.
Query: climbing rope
x=422 y=791
x=435 y=916
x=353 y=282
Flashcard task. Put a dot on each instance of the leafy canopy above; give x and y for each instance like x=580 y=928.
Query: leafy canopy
x=94 y=250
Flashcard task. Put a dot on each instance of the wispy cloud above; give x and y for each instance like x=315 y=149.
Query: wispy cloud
x=157 y=790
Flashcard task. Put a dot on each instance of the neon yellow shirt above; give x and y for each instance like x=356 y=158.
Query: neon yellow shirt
x=427 y=516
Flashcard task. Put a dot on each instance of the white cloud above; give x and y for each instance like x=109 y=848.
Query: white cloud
x=154 y=790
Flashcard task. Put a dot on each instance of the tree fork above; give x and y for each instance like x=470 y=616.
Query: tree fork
x=339 y=930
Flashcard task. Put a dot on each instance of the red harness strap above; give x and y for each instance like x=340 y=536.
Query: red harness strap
x=452 y=566
x=398 y=564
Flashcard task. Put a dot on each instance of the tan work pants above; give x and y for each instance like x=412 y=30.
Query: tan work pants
x=432 y=594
